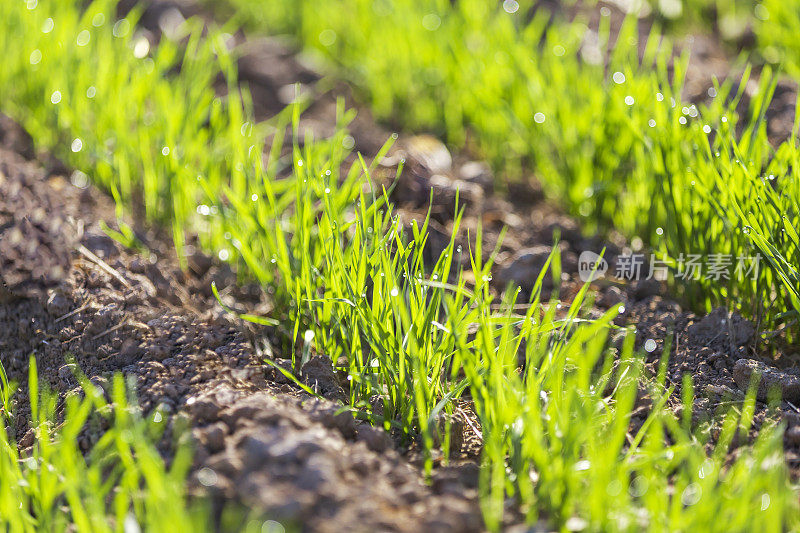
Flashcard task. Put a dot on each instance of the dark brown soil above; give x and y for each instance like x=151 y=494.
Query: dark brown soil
x=73 y=297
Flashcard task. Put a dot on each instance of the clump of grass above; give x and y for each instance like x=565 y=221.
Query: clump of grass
x=597 y=116
x=123 y=480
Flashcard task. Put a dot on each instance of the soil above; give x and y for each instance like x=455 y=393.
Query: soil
x=77 y=299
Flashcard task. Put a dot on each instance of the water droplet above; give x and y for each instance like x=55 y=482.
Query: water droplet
x=36 y=57
x=98 y=20
x=48 y=25
x=77 y=145
x=712 y=92
x=621 y=309
x=121 y=28
x=91 y=92
x=327 y=37
x=691 y=494
x=203 y=210
x=659 y=97
x=165 y=151
x=431 y=22
x=224 y=254
x=629 y=100
x=55 y=97
x=651 y=123
x=650 y=345
x=618 y=77
x=682 y=120
x=539 y=118
x=141 y=48
x=206 y=477
x=706 y=129
x=327 y=190
x=510 y=6
x=254 y=197
x=395 y=291
x=83 y=38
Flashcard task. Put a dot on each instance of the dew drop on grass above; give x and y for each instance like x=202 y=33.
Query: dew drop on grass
x=98 y=20
x=706 y=129
x=327 y=190
x=539 y=118
x=83 y=38
x=36 y=57
x=649 y=345
x=157 y=418
x=651 y=123
x=55 y=97
x=271 y=526
x=121 y=28
x=299 y=162
x=605 y=11
x=77 y=145
x=765 y=501
x=91 y=92
x=559 y=50
x=621 y=309
x=224 y=254
x=31 y=4
x=682 y=120
x=746 y=230
x=724 y=119
x=659 y=231
x=431 y=22
x=629 y=100
x=618 y=77
x=691 y=494
x=712 y=92
x=48 y=25
x=349 y=142
x=659 y=97
x=254 y=197
x=327 y=37
x=203 y=210
x=395 y=291
x=510 y=6
x=141 y=48
x=165 y=151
